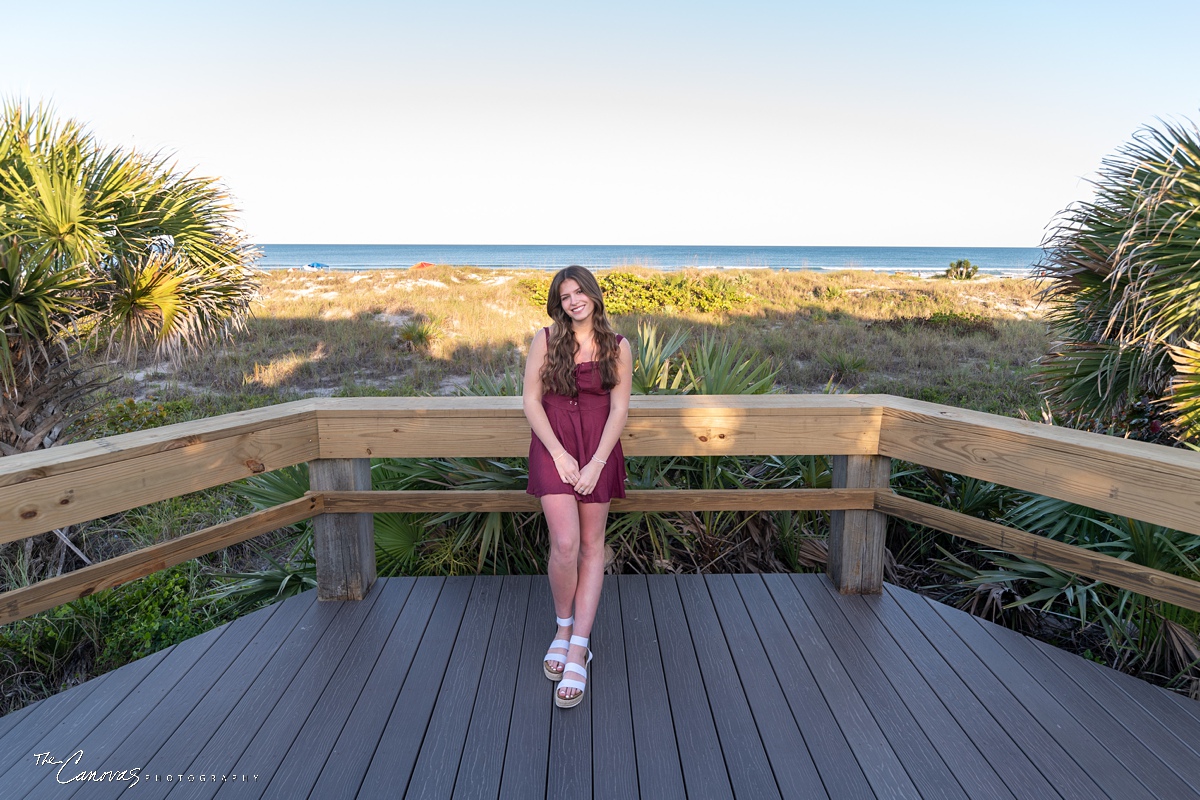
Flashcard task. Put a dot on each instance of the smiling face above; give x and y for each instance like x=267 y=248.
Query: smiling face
x=577 y=304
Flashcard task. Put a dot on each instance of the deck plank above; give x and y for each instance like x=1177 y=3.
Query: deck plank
x=614 y=764
x=792 y=762
x=786 y=624
x=1099 y=712
x=43 y=715
x=1186 y=704
x=202 y=722
x=145 y=738
x=285 y=708
x=482 y=763
x=1165 y=737
x=569 y=772
x=1073 y=729
x=10 y=720
x=704 y=772
x=301 y=765
x=396 y=754
x=659 y=772
x=343 y=770
x=528 y=743
x=841 y=773
x=713 y=686
x=1004 y=753
x=894 y=687
x=1039 y=740
x=441 y=750
x=746 y=761
x=62 y=740
x=1174 y=711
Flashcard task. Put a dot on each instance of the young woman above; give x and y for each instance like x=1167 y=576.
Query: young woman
x=577 y=382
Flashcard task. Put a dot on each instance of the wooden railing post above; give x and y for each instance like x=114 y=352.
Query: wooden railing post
x=856 y=538
x=343 y=544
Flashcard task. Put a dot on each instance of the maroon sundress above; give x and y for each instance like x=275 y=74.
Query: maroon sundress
x=578 y=422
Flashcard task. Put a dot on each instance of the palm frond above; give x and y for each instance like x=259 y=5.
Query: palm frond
x=716 y=366
x=653 y=370
x=1123 y=277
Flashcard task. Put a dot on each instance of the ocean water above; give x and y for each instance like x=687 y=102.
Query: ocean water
x=918 y=260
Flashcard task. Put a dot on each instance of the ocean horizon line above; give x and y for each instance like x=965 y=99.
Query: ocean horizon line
x=989 y=260
x=685 y=246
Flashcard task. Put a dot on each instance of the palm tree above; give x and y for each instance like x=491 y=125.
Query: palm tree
x=1124 y=293
x=101 y=246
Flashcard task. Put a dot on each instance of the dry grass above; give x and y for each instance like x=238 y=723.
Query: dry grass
x=963 y=342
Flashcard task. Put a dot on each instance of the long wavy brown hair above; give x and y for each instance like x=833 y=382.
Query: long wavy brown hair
x=558 y=371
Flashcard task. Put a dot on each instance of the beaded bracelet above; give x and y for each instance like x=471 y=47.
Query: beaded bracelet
x=599 y=460
x=560 y=455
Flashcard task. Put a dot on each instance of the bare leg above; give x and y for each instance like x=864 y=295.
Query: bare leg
x=592 y=518
x=562 y=518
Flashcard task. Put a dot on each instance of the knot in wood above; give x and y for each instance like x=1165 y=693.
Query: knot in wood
x=255 y=466
x=30 y=514
x=704 y=438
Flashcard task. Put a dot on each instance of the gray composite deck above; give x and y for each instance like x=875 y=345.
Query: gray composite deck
x=719 y=686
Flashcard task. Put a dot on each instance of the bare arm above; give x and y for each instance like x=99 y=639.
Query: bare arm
x=618 y=414
x=531 y=397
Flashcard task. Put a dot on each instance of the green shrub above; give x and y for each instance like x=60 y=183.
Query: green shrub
x=419 y=333
x=109 y=629
x=160 y=610
x=949 y=321
x=625 y=293
x=842 y=365
x=961 y=270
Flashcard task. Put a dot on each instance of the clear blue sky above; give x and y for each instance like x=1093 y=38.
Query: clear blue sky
x=855 y=123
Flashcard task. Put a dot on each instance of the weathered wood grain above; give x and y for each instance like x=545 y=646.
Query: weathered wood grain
x=856 y=538
x=41 y=504
x=1174 y=589
x=343 y=543
x=1144 y=481
x=20 y=603
x=636 y=500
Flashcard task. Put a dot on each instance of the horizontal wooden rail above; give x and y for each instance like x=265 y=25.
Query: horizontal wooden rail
x=636 y=500
x=20 y=603
x=80 y=482
x=108 y=476
x=710 y=425
x=1144 y=481
x=1164 y=586
x=77 y=483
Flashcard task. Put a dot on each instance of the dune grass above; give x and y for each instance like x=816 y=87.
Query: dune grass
x=967 y=343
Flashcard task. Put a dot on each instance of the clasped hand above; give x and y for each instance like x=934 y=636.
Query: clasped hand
x=582 y=480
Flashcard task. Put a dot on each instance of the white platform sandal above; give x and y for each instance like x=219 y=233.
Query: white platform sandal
x=572 y=683
x=553 y=655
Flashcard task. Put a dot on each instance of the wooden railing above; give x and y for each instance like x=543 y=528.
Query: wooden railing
x=337 y=437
